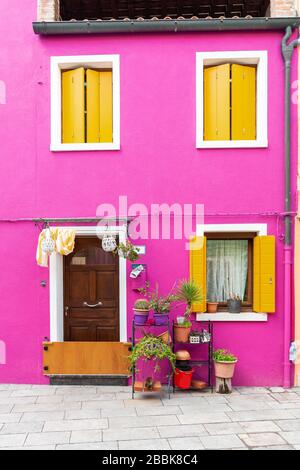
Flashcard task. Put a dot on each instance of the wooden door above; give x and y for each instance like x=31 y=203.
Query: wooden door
x=91 y=285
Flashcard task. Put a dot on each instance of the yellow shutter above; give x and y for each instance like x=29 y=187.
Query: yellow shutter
x=243 y=92
x=106 y=106
x=264 y=274
x=198 y=269
x=217 y=102
x=73 y=121
x=93 y=106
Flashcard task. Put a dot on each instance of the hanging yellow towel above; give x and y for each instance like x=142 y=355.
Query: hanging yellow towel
x=41 y=256
x=65 y=242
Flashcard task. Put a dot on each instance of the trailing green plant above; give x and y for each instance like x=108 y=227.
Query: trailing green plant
x=158 y=303
x=142 y=304
x=127 y=250
x=188 y=292
x=222 y=355
x=151 y=347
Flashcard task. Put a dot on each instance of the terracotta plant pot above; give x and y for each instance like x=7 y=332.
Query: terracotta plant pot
x=224 y=369
x=165 y=337
x=199 y=384
x=181 y=333
x=182 y=355
x=212 y=307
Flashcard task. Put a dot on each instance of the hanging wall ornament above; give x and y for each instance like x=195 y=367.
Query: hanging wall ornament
x=109 y=243
x=48 y=244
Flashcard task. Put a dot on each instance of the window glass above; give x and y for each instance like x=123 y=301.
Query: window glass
x=227 y=269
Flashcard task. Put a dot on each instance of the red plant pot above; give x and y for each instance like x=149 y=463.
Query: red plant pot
x=183 y=379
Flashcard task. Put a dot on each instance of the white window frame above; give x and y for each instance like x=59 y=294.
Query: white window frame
x=101 y=62
x=258 y=58
x=56 y=283
x=259 y=230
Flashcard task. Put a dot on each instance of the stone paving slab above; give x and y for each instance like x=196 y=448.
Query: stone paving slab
x=182 y=431
x=146 y=444
x=262 y=439
x=186 y=443
x=67 y=417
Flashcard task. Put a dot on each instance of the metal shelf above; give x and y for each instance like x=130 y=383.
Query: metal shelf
x=208 y=362
x=133 y=342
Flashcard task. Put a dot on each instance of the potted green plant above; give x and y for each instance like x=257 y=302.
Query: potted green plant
x=187 y=292
x=152 y=347
x=141 y=311
x=127 y=250
x=224 y=362
x=160 y=304
x=234 y=304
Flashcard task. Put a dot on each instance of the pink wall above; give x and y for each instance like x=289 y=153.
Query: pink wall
x=158 y=162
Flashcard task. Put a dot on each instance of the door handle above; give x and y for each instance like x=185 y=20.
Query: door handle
x=99 y=304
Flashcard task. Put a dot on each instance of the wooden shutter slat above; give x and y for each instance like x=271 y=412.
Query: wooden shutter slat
x=198 y=269
x=217 y=102
x=93 y=106
x=73 y=121
x=264 y=274
x=106 y=106
x=243 y=92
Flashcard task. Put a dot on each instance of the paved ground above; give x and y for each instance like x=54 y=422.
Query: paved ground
x=45 y=417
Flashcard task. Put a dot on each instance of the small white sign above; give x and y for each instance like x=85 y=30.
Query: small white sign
x=140 y=249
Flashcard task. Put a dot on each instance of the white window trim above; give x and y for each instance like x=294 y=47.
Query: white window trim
x=243 y=57
x=93 y=61
x=56 y=283
x=258 y=229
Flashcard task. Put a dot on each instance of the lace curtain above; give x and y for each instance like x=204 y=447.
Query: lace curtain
x=227 y=268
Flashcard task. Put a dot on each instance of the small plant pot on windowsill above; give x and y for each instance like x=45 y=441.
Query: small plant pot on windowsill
x=234 y=306
x=212 y=307
x=160 y=319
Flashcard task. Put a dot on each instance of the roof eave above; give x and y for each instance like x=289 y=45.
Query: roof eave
x=166 y=25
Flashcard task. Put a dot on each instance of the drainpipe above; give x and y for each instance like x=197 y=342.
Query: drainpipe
x=287 y=52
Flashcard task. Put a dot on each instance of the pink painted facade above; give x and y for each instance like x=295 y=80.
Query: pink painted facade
x=158 y=162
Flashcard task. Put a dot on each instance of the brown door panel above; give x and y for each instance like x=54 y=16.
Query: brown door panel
x=80 y=333
x=87 y=322
x=93 y=314
x=107 y=334
x=106 y=286
x=91 y=276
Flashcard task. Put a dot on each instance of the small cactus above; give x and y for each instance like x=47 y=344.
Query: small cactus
x=142 y=304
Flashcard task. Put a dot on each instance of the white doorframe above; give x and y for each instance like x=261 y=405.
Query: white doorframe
x=56 y=282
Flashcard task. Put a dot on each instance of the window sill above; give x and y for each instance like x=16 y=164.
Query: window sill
x=233 y=317
x=84 y=147
x=211 y=144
